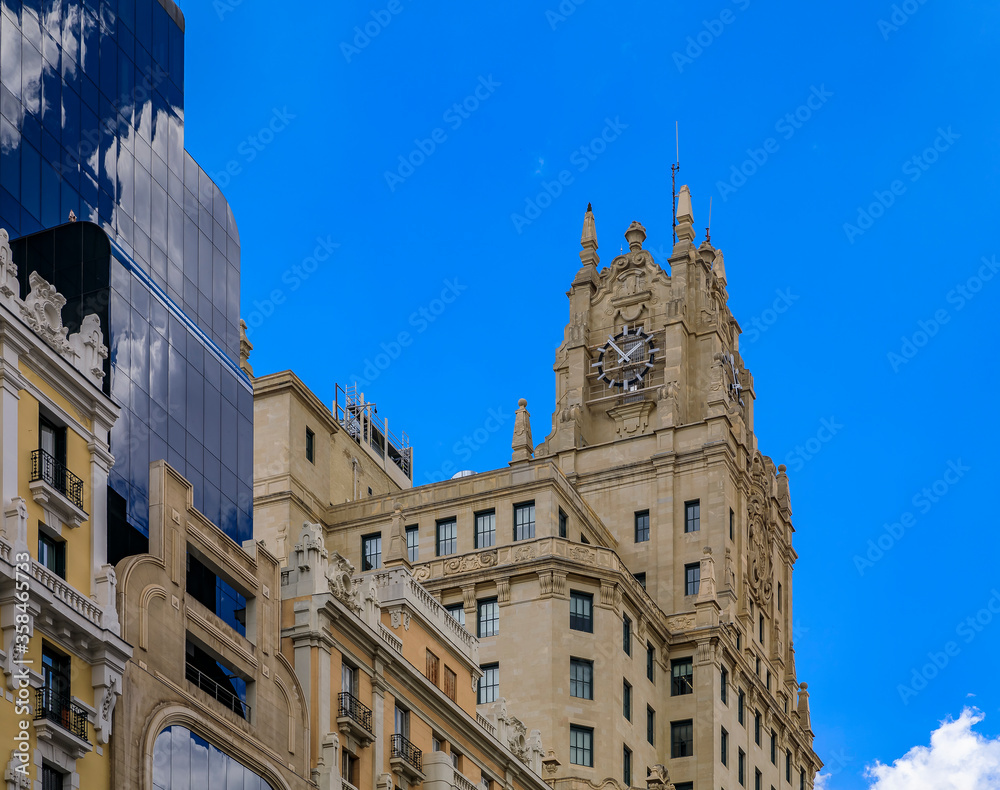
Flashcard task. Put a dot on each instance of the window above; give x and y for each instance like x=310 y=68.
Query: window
x=458 y=612
x=769 y=680
x=779 y=596
x=756 y=727
x=52 y=554
x=684 y=786
x=371 y=552
x=641 y=578
x=788 y=766
x=739 y=641
x=650 y=725
x=55 y=677
x=52 y=440
x=627 y=700
x=413 y=543
x=581 y=678
x=489 y=684
x=681 y=738
x=51 y=778
x=581 y=612
x=724 y=686
x=401 y=722
x=563 y=524
x=348 y=767
x=524 y=521
x=450 y=683
x=682 y=677
x=758 y=666
x=627 y=766
x=435 y=743
x=741 y=700
x=486 y=529
x=581 y=746
x=692 y=516
x=626 y=634
x=487 y=618
x=310 y=446
x=756 y=779
x=349 y=679
x=762 y=629
x=692 y=578
x=732 y=521
x=642 y=526
x=774 y=748
x=802 y=779
x=650 y=662
x=724 y=746
x=742 y=768
x=433 y=665
x=447 y=537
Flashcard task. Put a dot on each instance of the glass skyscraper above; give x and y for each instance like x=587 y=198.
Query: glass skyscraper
x=92 y=125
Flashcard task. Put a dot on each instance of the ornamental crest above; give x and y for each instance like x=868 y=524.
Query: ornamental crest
x=761 y=540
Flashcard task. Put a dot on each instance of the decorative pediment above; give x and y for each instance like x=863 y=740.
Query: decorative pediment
x=42 y=311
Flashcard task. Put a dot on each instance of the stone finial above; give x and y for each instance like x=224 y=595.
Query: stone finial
x=588 y=239
x=397 y=555
x=72 y=215
x=707 y=587
x=635 y=236
x=784 y=496
x=9 y=287
x=107 y=596
x=522 y=445
x=658 y=778
x=245 y=348
x=685 y=216
x=803 y=708
x=719 y=267
x=88 y=348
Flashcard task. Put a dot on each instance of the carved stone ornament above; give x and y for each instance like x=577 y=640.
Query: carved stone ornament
x=18 y=771
x=759 y=571
x=9 y=287
x=658 y=778
x=342 y=586
x=88 y=346
x=471 y=562
x=42 y=311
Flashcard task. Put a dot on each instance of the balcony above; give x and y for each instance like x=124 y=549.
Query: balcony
x=219 y=692
x=354 y=720
x=56 y=489
x=71 y=732
x=404 y=758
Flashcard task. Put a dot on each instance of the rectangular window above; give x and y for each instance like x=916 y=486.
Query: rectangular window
x=802 y=779
x=413 y=543
x=627 y=766
x=756 y=779
x=56 y=682
x=650 y=662
x=487 y=618
x=450 y=683
x=581 y=746
x=692 y=515
x=681 y=677
x=788 y=766
x=581 y=678
x=627 y=700
x=52 y=554
x=486 y=529
x=310 y=446
x=563 y=524
x=651 y=725
x=741 y=701
x=742 y=768
x=458 y=612
x=774 y=748
x=51 y=778
x=769 y=680
x=692 y=578
x=779 y=596
x=626 y=634
x=724 y=746
x=524 y=521
x=724 y=686
x=52 y=440
x=348 y=679
x=732 y=521
x=641 y=578
x=401 y=722
x=371 y=552
x=684 y=786
x=681 y=738
x=433 y=665
x=756 y=727
x=761 y=629
x=642 y=526
x=581 y=612
x=489 y=684
x=447 y=537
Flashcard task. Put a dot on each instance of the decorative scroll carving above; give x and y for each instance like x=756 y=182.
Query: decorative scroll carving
x=471 y=562
x=503 y=590
x=42 y=311
x=342 y=586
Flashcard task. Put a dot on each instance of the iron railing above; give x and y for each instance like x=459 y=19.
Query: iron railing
x=353 y=708
x=45 y=467
x=407 y=751
x=61 y=710
x=217 y=690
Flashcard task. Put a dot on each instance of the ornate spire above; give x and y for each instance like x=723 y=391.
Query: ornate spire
x=588 y=239
x=685 y=216
x=522 y=445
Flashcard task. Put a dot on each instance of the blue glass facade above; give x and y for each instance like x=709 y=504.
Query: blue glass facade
x=92 y=122
x=182 y=760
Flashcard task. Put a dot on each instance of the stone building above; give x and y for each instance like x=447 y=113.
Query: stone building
x=61 y=650
x=630 y=578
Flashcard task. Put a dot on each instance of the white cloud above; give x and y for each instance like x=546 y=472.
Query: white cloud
x=957 y=759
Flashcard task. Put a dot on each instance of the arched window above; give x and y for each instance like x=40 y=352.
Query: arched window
x=183 y=761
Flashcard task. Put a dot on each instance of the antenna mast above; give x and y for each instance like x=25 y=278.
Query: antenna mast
x=674 y=168
x=708 y=230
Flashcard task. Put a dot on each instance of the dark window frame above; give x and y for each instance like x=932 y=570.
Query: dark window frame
x=692 y=516
x=642 y=526
x=54 y=555
x=584 y=750
x=650 y=726
x=310 y=446
x=490 y=625
x=626 y=700
x=563 y=524
x=446 y=545
x=485 y=538
x=371 y=560
x=581 y=678
x=692 y=578
x=626 y=634
x=413 y=548
x=579 y=621
x=681 y=746
x=681 y=683
x=484 y=685
x=524 y=528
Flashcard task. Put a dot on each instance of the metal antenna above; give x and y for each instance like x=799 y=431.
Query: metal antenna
x=708 y=230
x=674 y=168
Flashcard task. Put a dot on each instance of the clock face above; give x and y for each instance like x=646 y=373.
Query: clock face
x=626 y=358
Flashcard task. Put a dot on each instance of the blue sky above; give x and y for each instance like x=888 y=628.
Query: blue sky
x=869 y=223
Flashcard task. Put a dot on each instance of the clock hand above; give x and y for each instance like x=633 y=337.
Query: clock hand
x=611 y=342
